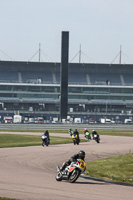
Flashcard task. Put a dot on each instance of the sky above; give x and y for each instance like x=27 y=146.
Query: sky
x=99 y=29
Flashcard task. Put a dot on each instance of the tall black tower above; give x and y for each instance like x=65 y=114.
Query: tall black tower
x=64 y=75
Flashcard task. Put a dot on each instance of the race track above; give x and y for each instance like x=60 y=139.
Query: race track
x=28 y=173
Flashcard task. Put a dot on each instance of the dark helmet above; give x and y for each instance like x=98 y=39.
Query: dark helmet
x=81 y=154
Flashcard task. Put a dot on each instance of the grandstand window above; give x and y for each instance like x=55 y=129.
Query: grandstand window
x=8 y=95
x=121 y=90
x=56 y=89
x=77 y=97
x=19 y=88
x=6 y=87
x=74 y=90
x=33 y=89
x=48 y=89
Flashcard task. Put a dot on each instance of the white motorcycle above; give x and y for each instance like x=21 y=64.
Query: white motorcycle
x=45 y=140
x=96 y=138
x=71 y=172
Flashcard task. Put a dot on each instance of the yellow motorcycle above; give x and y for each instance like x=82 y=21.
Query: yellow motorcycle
x=75 y=139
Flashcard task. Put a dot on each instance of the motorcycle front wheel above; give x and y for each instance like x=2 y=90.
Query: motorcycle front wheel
x=74 y=176
x=74 y=142
x=77 y=142
x=98 y=140
x=58 y=176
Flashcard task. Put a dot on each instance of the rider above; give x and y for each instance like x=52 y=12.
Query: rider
x=85 y=130
x=71 y=132
x=94 y=133
x=77 y=133
x=80 y=155
x=87 y=134
x=46 y=133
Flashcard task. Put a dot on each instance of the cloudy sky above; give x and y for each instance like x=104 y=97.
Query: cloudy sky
x=99 y=27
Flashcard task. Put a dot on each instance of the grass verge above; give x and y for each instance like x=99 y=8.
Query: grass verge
x=101 y=132
x=116 y=133
x=17 y=140
x=4 y=198
x=118 y=168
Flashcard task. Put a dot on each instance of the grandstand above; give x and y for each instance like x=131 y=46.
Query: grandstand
x=94 y=90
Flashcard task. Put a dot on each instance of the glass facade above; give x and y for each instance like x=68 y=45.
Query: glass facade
x=81 y=98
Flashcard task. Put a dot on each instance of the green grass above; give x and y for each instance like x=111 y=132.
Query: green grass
x=17 y=140
x=101 y=132
x=4 y=198
x=118 y=168
x=116 y=133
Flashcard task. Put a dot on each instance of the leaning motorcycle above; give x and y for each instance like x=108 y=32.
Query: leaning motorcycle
x=71 y=172
x=96 y=138
x=87 y=136
x=45 y=140
x=75 y=139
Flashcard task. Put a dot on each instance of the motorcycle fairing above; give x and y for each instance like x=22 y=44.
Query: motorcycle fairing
x=71 y=169
x=74 y=136
x=44 y=137
x=81 y=164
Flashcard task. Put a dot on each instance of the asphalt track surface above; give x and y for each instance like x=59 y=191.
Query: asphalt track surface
x=28 y=173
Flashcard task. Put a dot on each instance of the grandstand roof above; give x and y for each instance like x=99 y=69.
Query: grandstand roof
x=91 y=67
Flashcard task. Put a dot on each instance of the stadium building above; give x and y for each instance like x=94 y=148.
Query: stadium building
x=32 y=89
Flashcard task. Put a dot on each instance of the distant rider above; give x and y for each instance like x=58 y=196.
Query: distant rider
x=71 y=132
x=94 y=133
x=85 y=130
x=77 y=133
x=46 y=133
x=80 y=155
x=87 y=134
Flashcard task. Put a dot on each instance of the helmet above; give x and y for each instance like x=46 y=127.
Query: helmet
x=81 y=154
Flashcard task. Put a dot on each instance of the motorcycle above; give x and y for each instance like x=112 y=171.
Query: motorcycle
x=75 y=139
x=96 y=138
x=45 y=140
x=87 y=136
x=71 y=172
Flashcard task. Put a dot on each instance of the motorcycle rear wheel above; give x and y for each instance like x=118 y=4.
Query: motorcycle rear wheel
x=74 y=176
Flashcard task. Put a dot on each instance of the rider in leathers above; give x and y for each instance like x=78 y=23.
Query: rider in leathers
x=46 y=133
x=93 y=133
x=77 y=133
x=80 y=155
